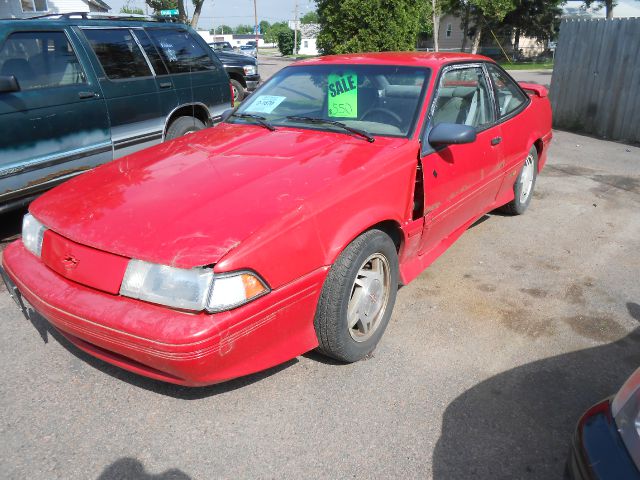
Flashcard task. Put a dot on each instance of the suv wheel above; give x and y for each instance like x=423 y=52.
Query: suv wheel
x=238 y=90
x=183 y=125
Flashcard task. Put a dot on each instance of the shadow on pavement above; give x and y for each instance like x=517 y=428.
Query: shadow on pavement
x=518 y=424
x=45 y=329
x=131 y=469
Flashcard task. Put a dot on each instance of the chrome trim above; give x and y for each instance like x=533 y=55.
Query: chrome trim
x=51 y=160
x=138 y=139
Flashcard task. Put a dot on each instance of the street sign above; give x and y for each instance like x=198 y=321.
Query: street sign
x=553 y=45
x=169 y=13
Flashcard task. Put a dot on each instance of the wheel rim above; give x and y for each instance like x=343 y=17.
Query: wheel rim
x=235 y=93
x=369 y=297
x=526 y=178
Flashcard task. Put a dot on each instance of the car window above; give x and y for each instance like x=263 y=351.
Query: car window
x=180 y=51
x=381 y=99
x=463 y=98
x=40 y=60
x=508 y=94
x=151 y=51
x=118 y=52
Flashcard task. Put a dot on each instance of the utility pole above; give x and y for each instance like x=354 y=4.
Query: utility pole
x=255 y=23
x=295 y=30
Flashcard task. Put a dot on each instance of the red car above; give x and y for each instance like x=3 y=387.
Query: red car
x=289 y=226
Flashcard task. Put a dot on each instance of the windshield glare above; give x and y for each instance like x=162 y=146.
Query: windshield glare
x=379 y=99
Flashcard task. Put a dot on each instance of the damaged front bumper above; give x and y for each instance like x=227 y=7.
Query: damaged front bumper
x=165 y=344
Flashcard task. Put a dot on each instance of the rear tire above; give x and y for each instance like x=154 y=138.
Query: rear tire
x=357 y=298
x=238 y=90
x=524 y=185
x=183 y=125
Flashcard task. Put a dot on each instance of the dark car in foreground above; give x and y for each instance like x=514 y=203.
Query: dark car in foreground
x=242 y=71
x=606 y=444
x=77 y=91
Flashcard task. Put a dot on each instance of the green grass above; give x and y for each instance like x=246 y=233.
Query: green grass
x=526 y=66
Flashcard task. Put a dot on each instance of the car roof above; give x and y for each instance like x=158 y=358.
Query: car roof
x=106 y=21
x=427 y=59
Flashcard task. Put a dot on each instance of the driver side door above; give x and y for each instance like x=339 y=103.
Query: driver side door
x=460 y=181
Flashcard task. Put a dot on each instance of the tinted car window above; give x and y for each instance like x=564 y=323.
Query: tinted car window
x=509 y=95
x=152 y=52
x=180 y=52
x=40 y=60
x=463 y=98
x=118 y=53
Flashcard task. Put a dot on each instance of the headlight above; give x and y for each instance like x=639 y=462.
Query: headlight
x=190 y=289
x=32 y=234
x=250 y=69
x=626 y=411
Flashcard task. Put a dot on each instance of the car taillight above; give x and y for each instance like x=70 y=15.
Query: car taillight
x=231 y=89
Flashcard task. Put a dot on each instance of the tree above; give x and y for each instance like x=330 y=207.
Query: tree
x=264 y=26
x=348 y=26
x=243 y=29
x=539 y=19
x=310 y=17
x=271 y=35
x=158 y=5
x=285 y=42
x=127 y=8
x=196 y=12
x=479 y=14
x=608 y=4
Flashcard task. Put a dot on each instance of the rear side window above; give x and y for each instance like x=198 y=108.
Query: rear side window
x=40 y=60
x=509 y=96
x=118 y=52
x=180 y=52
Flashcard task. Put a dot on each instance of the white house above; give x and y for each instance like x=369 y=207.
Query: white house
x=308 y=38
x=32 y=8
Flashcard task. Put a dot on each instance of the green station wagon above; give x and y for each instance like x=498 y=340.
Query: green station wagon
x=77 y=91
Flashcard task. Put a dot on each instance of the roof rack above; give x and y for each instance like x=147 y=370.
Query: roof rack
x=103 y=16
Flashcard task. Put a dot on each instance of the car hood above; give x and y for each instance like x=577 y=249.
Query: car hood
x=187 y=202
x=235 y=58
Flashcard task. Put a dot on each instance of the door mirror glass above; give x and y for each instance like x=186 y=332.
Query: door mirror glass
x=9 y=83
x=451 y=134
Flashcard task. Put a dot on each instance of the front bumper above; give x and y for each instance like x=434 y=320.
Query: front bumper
x=597 y=450
x=252 y=82
x=165 y=344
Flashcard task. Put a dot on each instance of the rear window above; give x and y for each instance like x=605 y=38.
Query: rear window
x=118 y=53
x=180 y=51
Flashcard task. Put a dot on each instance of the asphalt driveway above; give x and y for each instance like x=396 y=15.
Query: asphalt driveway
x=490 y=357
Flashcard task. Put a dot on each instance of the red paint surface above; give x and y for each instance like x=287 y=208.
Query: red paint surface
x=283 y=203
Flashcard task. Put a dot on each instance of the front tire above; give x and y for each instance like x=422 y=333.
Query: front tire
x=524 y=185
x=183 y=125
x=238 y=90
x=357 y=298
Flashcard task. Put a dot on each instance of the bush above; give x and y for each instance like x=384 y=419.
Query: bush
x=285 y=42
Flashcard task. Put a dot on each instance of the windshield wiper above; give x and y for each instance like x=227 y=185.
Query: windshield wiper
x=356 y=131
x=261 y=120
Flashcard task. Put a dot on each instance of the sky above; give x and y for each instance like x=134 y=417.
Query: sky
x=236 y=12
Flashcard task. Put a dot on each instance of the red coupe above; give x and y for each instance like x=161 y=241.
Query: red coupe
x=289 y=226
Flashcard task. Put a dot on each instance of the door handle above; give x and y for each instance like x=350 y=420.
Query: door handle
x=165 y=85
x=87 y=94
x=495 y=141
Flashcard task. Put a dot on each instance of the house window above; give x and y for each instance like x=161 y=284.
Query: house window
x=306 y=44
x=449 y=30
x=34 y=5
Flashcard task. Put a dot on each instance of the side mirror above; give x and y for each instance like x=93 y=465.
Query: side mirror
x=451 y=134
x=226 y=114
x=9 y=83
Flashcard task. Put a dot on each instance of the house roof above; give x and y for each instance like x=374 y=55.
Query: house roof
x=100 y=4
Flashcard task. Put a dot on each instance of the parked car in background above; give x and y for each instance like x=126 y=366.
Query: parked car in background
x=77 y=91
x=222 y=46
x=290 y=225
x=249 y=50
x=242 y=71
x=606 y=444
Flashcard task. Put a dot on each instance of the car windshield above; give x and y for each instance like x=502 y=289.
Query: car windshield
x=378 y=99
